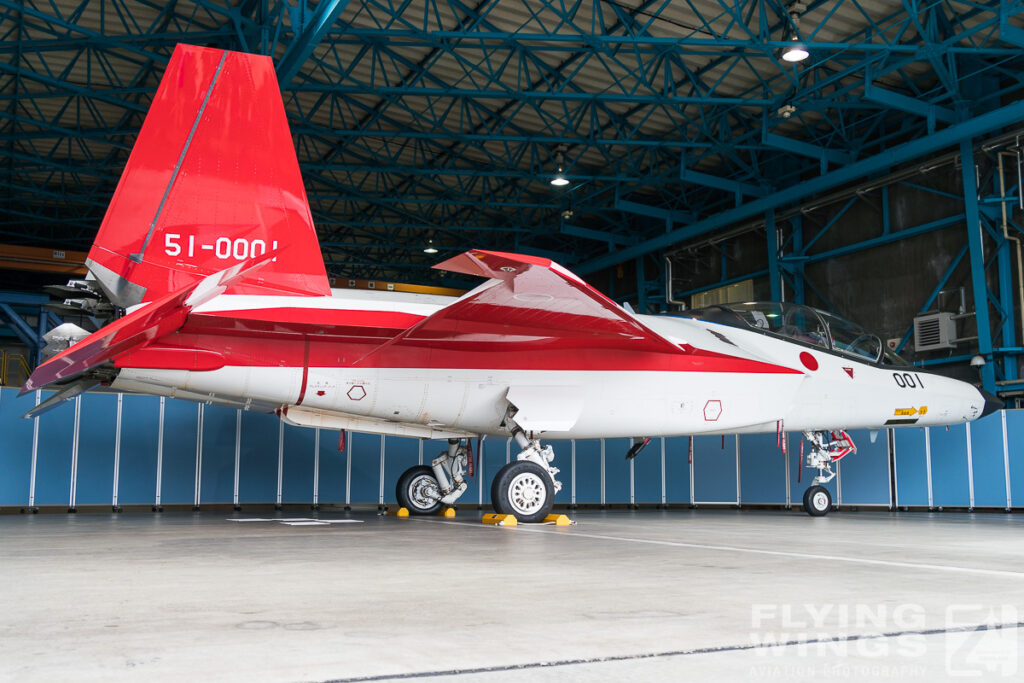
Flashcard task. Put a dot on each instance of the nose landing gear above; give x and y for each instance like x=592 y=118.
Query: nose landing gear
x=526 y=488
x=827 y=447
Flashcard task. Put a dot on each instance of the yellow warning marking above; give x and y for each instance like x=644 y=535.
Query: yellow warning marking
x=447 y=512
x=558 y=520
x=906 y=411
x=500 y=520
x=924 y=410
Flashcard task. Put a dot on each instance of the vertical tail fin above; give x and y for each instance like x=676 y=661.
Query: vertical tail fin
x=211 y=181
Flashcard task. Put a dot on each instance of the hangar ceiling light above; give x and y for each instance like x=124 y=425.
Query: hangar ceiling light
x=560 y=180
x=796 y=51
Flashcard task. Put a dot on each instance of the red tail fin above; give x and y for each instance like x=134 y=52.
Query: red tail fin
x=212 y=181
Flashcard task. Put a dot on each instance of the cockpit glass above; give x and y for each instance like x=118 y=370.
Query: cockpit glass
x=790 y=320
x=804 y=324
x=853 y=340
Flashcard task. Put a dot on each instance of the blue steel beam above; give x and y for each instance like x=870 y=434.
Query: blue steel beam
x=977 y=260
x=806 y=149
x=979 y=125
x=597 y=235
x=734 y=186
x=773 y=246
x=895 y=100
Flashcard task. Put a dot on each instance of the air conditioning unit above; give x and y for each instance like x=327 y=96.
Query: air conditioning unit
x=934 y=331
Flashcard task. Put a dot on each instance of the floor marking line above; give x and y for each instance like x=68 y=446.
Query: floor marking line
x=759 y=551
x=743 y=647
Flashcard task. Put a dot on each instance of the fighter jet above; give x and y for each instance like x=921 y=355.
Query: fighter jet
x=208 y=247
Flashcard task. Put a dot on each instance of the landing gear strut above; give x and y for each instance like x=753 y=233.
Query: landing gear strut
x=526 y=488
x=827 y=447
x=424 y=489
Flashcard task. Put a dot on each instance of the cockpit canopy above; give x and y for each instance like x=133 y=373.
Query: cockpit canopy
x=803 y=324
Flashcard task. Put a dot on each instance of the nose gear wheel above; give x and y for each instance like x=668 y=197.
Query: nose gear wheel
x=522 y=488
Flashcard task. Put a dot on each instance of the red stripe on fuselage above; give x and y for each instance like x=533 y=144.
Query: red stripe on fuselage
x=333 y=342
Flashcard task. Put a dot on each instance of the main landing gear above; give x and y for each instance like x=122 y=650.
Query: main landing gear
x=525 y=487
x=423 y=489
x=827 y=447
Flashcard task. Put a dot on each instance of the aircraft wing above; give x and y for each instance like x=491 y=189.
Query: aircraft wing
x=533 y=314
x=528 y=304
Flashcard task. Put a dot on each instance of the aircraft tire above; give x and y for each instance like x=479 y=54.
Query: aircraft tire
x=524 y=489
x=407 y=494
x=817 y=501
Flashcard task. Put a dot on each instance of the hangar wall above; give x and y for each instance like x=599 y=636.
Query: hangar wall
x=142 y=450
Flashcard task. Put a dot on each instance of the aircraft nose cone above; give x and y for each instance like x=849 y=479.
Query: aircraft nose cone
x=992 y=403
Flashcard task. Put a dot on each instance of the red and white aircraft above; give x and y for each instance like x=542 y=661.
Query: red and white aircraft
x=209 y=247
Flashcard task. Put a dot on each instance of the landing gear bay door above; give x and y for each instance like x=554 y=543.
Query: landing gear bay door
x=546 y=408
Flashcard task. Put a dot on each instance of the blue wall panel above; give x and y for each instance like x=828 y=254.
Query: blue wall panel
x=677 y=469
x=399 y=455
x=762 y=469
x=714 y=469
x=988 y=462
x=299 y=457
x=53 y=460
x=218 y=466
x=15 y=447
x=257 y=472
x=588 y=471
x=647 y=473
x=911 y=466
x=800 y=477
x=96 y=435
x=365 y=453
x=181 y=423
x=616 y=480
x=1015 y=443
x=493 y=460
x=865 y=474
x=332 y=467
x=140 y=419
x=563 y=461
x=950 y=478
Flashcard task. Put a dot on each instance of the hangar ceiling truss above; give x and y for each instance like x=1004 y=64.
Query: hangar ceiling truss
x=444 y=120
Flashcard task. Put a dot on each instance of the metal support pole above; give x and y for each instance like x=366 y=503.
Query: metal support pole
x=280 y=464
x=928 y=464
x=977 y=256
x=238 y=456
x=73 y=493
x=664 y=481
x=157 y=506
x=641 y=286
x=380 y=494
x=35 y=457
x=199 y=456
x=572 y=480
x=117 y=454
x=970 y=466
x=772 y=236
x=798 y=249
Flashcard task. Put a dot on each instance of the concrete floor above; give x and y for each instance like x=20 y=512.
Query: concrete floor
x=621 y=596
